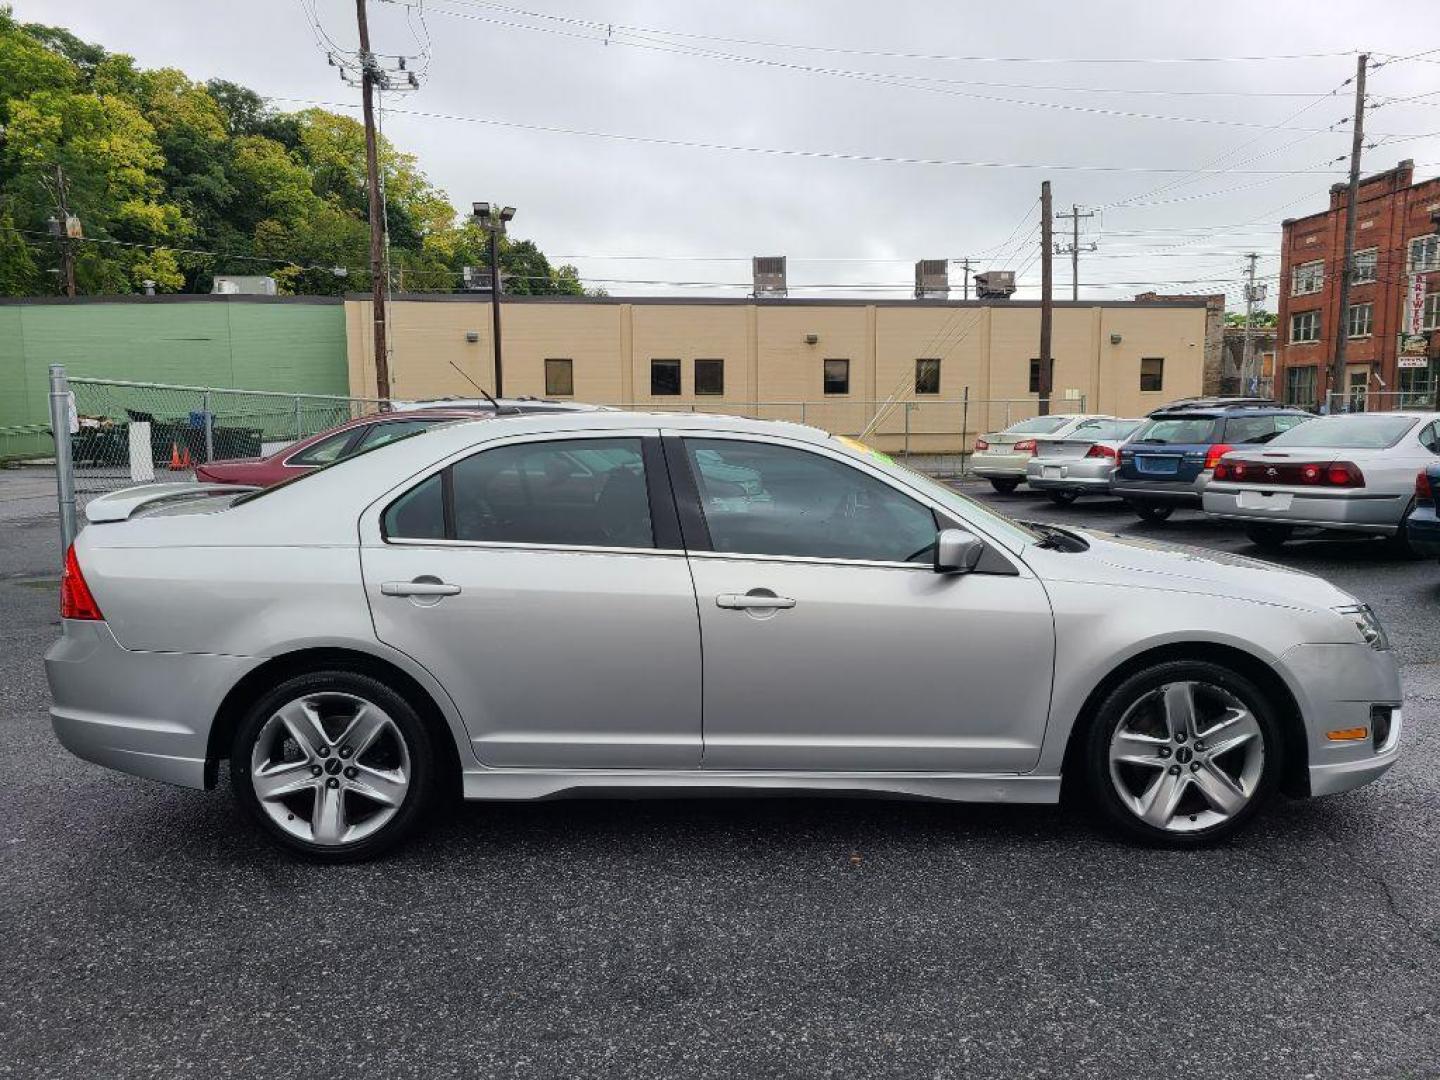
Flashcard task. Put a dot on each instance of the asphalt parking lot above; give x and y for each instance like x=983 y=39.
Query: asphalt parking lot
x=148 y=931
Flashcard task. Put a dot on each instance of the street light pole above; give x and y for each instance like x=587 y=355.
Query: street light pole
x=368 y=72
x=493 y=221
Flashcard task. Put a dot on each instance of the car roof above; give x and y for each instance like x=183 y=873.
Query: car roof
x=1213 y=408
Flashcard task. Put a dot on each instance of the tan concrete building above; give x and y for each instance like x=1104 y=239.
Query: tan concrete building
x=951 y=366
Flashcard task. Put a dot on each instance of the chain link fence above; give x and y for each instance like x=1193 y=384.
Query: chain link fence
x=1424 y=397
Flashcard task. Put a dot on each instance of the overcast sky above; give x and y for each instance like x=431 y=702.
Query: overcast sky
x=825 y=77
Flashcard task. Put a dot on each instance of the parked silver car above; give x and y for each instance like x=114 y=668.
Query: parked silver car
x=515 y=608
x=1002 y=456
x=1351 y=473
x=1080 y=462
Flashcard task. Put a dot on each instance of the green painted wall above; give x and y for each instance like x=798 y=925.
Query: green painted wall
x=296 y=346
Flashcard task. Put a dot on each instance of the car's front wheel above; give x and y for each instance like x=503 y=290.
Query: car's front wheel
x=1183 y=753
x=1004 y=485
x=335 y=765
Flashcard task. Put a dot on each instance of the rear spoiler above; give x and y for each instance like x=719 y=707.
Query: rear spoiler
x=121 y=505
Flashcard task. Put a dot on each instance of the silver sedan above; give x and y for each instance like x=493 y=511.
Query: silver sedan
x=515 y=609
x=1079 y=463
x=1352 y=473
x=1002 y=456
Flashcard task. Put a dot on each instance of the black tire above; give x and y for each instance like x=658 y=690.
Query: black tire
x=1152 y=512
x=1005 y=485
x=1100 y=783
x=1399 y=544
x=421 y=791
x=1063 y=498
x=1269 y=537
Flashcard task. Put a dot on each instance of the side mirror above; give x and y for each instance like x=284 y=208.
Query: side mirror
x=957 y=551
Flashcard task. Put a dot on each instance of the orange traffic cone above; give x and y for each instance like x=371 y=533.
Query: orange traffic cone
x=185 y=462
x=175 y=465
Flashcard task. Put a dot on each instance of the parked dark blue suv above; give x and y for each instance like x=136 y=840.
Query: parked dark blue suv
x=1168 y=461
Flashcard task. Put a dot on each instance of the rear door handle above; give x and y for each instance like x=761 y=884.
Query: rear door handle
x=418 y=587
x=753 y=602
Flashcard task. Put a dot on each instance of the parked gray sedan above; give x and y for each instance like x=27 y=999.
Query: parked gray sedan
x=1352 y=473
x=1079 y=463
x=515 y=609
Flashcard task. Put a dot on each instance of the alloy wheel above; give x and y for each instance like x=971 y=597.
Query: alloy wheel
x=330 y=768
x=1187 y=756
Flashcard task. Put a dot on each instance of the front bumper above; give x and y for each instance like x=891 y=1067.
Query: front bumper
x=998 y=466
x=1070 y=474
x=144 y=713
x=1182 y=492
x=1358 y=511
x=1336 y=687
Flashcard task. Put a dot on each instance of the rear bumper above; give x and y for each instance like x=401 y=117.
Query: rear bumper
x=144 y=713
x=1070 y=474
x=1183 y=492
x=999 y=466
x=1423 y=532
x=1336 y=687
x=1376 y=514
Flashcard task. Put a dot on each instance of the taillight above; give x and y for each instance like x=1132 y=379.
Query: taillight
x=1025 y=446
x=1215 y=453
x=1423 y=491
x=76 y=602
x=1225 y=471
x=981 y=444
x=1344 y=474
x=1100 y=450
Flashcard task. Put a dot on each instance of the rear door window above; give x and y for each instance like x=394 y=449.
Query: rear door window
x=390 y=430
x=326 y=451
x=1183 y=430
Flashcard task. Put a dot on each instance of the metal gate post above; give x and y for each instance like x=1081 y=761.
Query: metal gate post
x=298 y=433
x=907 y=430
x=64 y=461
x=209 y=426
x=964 y=426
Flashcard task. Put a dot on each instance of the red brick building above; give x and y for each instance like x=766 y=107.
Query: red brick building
x=1395 y=240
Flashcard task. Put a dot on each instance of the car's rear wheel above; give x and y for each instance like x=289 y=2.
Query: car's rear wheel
x=1183 y=753
x=1004 y=485
x=335 y=765
x=1063 y=498
x=1269 y=537
x=1152 y=512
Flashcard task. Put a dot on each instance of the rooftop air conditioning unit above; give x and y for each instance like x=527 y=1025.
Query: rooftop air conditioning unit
x=932 y=279
x=769 y=275
x=995 y=285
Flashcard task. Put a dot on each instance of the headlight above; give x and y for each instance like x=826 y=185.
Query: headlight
x=1366 y=622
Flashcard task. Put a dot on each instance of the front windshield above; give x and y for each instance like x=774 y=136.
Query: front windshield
x=1353 y=432
x=995 y=524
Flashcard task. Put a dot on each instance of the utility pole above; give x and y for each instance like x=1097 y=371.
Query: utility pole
x=1342 y=331
x=965 y=269
x=1047 y=307
x=1251 y=295
x=61 y=228
x=493 y=220
x=1074 y=248
x=369 y=69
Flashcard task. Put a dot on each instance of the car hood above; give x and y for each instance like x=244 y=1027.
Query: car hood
x=1138 y=562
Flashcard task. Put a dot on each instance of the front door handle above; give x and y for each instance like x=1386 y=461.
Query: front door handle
x=418 y=587
x=754 y=601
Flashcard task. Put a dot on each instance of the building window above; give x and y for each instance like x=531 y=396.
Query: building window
x=1300 y=386
x=837 y=376
x=927 y=376
x=1359 y=322
x=559 y=378
x=1430 y=317
x=1034 y=376
x=1304 y=327
x=1307 y=278
x=664 y=378
x=1425 y=253
x=1152 y=373
x=1416 y=391
x=709 y=377
x=1366 y=266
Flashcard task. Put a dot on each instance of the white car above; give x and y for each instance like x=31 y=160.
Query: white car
x=1351 y=473
x=1003 y=456
x=1079 y=463
x=609 y=603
